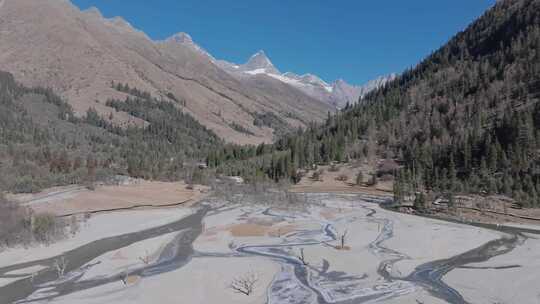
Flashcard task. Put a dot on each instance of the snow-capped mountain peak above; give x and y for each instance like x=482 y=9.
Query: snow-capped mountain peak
x=259 y=62
x=259 y=58
x=337 y=94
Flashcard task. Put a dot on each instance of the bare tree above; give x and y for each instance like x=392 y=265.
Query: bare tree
x=317 y=175
x=33 y=276
x=302 y=257
x=245 y=284
x=74 y=225
x=342 y=238
x=60 y=265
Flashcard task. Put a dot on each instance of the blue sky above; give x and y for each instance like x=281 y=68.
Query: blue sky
x=351 y=39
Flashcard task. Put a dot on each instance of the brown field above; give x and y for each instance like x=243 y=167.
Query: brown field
x=70 y=200
x=247 y=230
x=253 y=230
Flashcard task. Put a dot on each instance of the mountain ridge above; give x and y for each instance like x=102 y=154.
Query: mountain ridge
x=464 y=120
x=337 y=94
x=79 y=53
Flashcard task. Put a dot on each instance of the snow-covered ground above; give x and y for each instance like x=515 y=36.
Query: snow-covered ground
x=509 y=278
x=268 y=242
x=128 y=258
x=97 y=227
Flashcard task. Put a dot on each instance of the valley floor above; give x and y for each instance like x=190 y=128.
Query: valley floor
x=132 y=193
x=194 y=254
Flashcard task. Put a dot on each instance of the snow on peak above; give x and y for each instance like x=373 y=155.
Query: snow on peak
x=315 y=80
x=256 y=72
x=291 y=75
x=120 y=22
x=260 y=61
x=260 y=55
x=337 y=94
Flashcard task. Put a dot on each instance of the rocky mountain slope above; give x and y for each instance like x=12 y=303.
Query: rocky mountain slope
x=80 y=54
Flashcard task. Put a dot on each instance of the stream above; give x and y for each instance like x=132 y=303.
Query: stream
x=295 y=283
x=298 y=283
x=174 y=256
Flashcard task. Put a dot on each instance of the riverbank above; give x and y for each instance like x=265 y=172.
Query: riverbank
x=243 y=239
x=296 y=256
x=97 y=227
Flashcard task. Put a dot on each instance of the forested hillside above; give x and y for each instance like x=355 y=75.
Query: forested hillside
x=466 y=118
x=43 y=144
x=79 y=53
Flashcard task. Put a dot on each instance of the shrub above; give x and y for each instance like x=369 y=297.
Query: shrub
x=26 y=184
x=13 y=223
x=317 y=175
x=333 y=168
x=387 y=178
x=342 y=178
x=46 y=228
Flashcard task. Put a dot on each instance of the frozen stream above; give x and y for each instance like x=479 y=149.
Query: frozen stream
x=295 y=282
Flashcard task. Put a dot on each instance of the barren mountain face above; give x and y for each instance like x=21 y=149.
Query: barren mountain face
x=51 y=43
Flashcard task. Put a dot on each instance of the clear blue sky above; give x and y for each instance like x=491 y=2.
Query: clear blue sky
x=356 y=40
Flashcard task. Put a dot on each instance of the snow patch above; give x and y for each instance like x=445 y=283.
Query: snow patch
x=256 y=72
x=300 y=81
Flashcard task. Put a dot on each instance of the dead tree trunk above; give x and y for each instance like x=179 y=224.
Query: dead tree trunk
x=60 y=265
x=302 y=258
x=343 y=239
x=244 y=285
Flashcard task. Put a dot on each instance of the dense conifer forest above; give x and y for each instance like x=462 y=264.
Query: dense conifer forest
x=466 y=119
x=44 y=144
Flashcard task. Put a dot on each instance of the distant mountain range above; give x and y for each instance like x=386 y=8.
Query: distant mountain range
x=337 y=94
x=80 y=53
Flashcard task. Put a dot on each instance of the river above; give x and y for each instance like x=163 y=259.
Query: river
x=295 y=283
